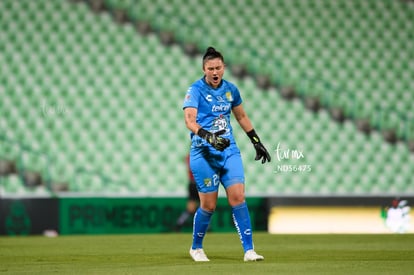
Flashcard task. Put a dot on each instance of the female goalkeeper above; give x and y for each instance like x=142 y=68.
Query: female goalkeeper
x=214 y=157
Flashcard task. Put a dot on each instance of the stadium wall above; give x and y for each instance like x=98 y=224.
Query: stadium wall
x=278 y=215
x=104 y=215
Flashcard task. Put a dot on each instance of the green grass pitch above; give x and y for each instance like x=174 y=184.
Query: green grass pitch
x=168 y=254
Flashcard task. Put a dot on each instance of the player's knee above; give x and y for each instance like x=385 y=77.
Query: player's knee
x=235 y=194
x=209 y=207
x=236 y=199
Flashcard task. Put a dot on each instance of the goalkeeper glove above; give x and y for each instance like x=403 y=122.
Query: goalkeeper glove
x=214 y=139
x=261 y=152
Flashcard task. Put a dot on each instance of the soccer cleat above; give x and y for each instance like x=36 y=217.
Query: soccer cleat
x=198 y=255
x=252 y=256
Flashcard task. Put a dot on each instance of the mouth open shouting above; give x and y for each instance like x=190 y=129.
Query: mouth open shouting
x=213 y=81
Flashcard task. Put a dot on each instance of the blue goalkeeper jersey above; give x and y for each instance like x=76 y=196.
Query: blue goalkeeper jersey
x=213 y=106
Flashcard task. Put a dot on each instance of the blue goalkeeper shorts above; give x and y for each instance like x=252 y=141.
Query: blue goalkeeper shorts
x=211 y=167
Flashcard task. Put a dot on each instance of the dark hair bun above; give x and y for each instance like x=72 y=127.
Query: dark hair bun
x=210 y=50
x=212 y=53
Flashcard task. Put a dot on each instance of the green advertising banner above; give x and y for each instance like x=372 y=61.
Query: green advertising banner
x=144 y=215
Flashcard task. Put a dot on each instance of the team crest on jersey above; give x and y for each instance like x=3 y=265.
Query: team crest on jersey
x=207 y=182
x=229 y=96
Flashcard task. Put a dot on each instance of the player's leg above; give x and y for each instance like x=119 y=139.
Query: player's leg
x=240 y=213
x=207 y=184
x=202 y=217
x=233 y=181
x=201 y=223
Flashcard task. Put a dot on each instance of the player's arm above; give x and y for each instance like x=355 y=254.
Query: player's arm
x=242 y=118
x=190 y=117
x=245 y=123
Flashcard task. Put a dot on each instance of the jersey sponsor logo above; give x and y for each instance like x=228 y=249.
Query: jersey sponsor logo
x=209 y=98
x=221 y=108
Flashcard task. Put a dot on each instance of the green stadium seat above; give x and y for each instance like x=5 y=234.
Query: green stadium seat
x=97 y=71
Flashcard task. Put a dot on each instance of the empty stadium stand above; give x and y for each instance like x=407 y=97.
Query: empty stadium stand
x=96 y=106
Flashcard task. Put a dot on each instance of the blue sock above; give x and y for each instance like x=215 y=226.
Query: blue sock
x=200 y=225
x=241 y=218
